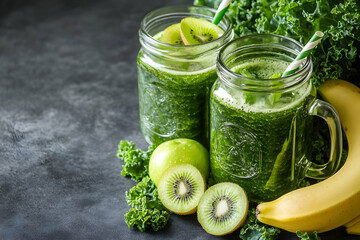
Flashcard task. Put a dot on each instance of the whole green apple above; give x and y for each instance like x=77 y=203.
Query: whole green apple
x=177 y=151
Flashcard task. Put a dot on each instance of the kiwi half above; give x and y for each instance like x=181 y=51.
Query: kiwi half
x=196 y=31
x=180 y=188
x=171 y=35
x=222 y=208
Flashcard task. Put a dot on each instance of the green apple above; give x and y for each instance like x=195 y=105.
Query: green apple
x=177 y=151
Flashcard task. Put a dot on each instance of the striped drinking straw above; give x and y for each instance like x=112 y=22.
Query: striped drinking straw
x=224 y=5
x=306 y=51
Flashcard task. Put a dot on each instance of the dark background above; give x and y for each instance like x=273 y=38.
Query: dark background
x=68 y=95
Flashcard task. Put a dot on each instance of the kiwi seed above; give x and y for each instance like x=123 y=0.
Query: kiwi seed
x=180 y=188
x=171 y=35
x=224 y=215
x=179 y=194
x=196 y=31
x=222 y=208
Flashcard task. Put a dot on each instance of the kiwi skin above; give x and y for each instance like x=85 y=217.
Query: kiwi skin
x=242 y=220
x=162 y=187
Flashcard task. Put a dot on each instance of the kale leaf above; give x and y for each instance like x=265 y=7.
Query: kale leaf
x=147 y=210
x=144 y=219
x=255 y=230
x=136 y=161
x=144 y=195
x=306 y=236
x=338 y=54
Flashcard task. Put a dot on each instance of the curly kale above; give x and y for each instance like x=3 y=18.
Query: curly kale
x=338 y=54
x=136 y=161
x=306 y=236
x=144 y=219
x=144 y=195
x=255 y=230
x=147 y=211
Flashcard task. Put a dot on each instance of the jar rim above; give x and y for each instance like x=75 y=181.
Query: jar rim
x=262 y=83
x=153 y=41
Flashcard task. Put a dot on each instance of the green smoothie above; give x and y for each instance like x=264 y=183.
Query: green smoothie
x=257 y=138
x=176 y=69
x=174 y=104
x=174 y=90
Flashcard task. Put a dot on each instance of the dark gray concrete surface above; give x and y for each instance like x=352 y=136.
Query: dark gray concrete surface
x=68 y=94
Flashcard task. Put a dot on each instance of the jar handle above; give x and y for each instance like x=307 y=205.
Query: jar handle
x=328 y=113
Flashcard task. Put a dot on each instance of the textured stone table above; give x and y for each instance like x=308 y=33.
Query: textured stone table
x=68 y=94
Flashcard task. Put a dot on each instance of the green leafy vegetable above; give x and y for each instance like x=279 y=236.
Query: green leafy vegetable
x=136 y=161
x=144 y=195
x=306 y=236
x=144 y=219
x=255 y=230
x=337 y=56
x=147 y=210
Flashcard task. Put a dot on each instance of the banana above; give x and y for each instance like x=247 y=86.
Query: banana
x=353 y=227
x=335 y=201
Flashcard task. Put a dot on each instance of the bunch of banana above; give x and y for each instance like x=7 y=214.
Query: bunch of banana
x=335 y=201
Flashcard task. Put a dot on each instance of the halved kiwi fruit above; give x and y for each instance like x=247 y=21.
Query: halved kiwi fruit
x=171 y=35
x=180 y=188
x=222 y=208
x=196 y=31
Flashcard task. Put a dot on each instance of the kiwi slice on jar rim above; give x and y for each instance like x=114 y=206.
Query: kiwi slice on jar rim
x=180 y=188
x=171 y=35
x=222 y=208
x=197 y=30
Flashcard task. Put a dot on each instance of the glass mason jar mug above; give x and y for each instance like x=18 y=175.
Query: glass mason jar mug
x=260 y=125
x=174 y=81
